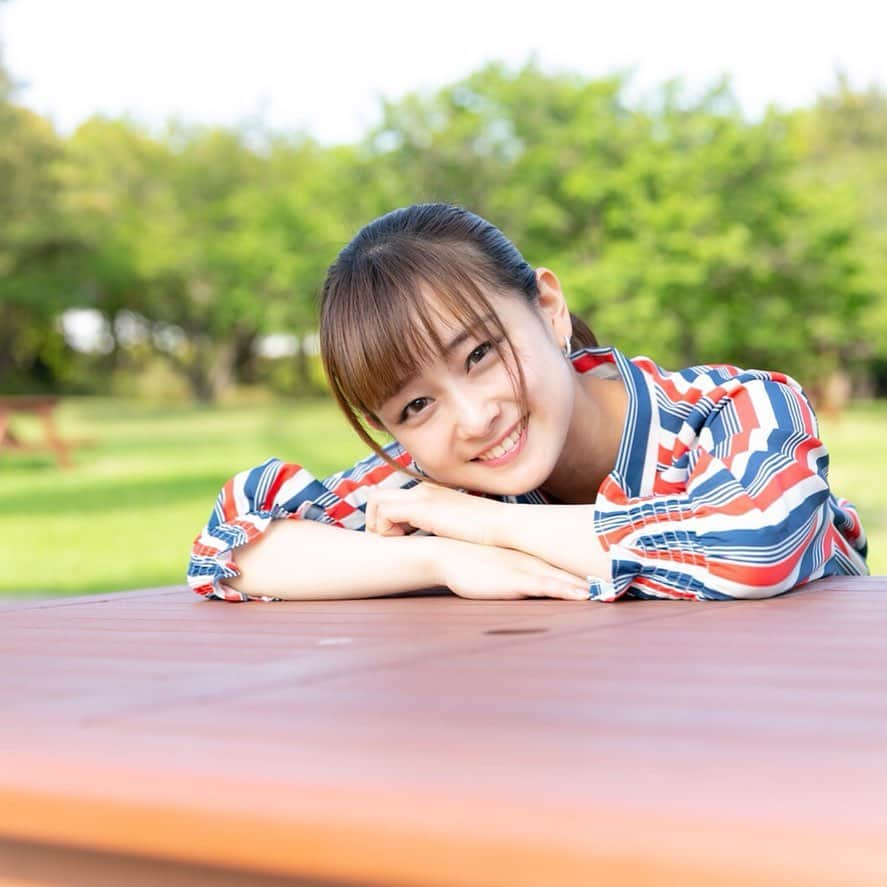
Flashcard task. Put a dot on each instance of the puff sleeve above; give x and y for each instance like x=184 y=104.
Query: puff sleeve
x=276 y=490
x=752 y=515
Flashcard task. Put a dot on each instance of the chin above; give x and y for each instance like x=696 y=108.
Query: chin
x=518 y=484
x=526 y=475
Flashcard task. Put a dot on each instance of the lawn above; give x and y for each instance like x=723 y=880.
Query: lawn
x=125 y=516
x=146 y=480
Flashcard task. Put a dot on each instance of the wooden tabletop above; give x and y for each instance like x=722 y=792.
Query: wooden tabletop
x=430 y=740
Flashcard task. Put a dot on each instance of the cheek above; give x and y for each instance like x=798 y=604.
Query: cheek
x=427 y=448
x=548 y=379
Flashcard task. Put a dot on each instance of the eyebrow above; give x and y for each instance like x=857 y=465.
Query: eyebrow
x=452 y=345
x=466 y=334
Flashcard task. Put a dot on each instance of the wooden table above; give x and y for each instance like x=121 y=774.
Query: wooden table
x=153 y=737
x=42 y=406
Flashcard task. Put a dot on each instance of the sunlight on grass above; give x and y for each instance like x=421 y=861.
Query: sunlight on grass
x=125 y=516
x=141 y=489
x=858 y=468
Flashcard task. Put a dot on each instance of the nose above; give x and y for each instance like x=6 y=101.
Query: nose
x=476 y=414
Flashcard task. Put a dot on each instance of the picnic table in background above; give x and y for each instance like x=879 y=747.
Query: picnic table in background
x=39 y=405
x=155 y=737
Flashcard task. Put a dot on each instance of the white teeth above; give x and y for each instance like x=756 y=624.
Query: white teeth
x=501 y=449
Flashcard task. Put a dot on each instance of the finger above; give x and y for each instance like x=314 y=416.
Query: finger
x=548 y=580
x=565 y=576
x=383 y=524
x=570 y=589
x=392 y=518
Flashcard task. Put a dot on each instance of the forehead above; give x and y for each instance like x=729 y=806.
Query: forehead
x=448 y=318
x=437 y=332
x=435 y=335
x=452 y=333
x=399 y=331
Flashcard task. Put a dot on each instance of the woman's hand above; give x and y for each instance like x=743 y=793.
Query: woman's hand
x=561 y=536
x=435 y=509
x=482 y=572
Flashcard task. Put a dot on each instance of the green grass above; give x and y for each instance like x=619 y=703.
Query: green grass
x=125 y=516
x=858 y=470
x=141 y=489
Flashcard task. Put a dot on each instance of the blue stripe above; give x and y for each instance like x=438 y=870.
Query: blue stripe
x=310 y=492
x=633 y=447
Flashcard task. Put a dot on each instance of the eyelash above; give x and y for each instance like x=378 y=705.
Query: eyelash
x=486 y=346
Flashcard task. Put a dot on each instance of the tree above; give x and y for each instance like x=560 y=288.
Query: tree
x=677 y=225
x=207 y=239
x=842 y=143
x=40 y=251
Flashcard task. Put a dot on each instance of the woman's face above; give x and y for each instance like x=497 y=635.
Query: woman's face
x=462 y=420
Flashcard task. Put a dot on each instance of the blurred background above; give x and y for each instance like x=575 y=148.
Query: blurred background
x=708 y=180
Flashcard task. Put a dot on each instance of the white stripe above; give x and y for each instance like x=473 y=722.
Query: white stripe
x=292 y=486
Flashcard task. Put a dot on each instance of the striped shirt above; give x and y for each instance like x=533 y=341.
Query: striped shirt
x=719 y=491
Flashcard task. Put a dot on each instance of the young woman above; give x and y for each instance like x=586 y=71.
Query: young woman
x=526 y=461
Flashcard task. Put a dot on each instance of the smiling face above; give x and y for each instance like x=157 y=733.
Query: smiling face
x=435 y=329
x=462 y=418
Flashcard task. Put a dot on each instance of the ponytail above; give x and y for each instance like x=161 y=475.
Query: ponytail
x=582 y=336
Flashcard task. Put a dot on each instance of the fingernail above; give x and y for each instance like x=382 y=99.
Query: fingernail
x=581 y=594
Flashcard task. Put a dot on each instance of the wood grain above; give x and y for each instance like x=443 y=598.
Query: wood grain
x=434 y=740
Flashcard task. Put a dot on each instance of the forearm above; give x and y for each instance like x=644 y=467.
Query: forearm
x=308 y=560
x=563 y=535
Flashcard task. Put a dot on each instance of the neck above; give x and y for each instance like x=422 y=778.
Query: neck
x=592 y=443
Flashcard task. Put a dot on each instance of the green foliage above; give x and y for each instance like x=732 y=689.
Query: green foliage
x=842 y=145
x=208 y=240
x=678 y=227
x=40 y=253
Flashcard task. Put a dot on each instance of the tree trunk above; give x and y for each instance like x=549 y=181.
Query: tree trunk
x=303 y=369
x=245 y=367
x=208 y=370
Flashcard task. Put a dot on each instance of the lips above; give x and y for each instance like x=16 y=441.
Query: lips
x=508 y=441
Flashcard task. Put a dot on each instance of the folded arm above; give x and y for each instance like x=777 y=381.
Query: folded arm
x=277 y=533
x=756 y=517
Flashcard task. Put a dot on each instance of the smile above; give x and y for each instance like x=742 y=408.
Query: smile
x=507 y=449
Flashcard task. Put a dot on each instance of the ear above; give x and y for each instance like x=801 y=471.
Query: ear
x=553 y=305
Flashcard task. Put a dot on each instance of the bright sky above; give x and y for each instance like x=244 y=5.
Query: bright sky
x=322 y=65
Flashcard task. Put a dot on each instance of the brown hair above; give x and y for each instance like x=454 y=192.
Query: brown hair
x=376 y=324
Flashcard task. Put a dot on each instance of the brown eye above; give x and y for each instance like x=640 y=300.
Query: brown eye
x=406 y=410
x=479 y=353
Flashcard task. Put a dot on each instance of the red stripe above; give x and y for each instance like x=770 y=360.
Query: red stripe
x=693 y=393
x=743 y=403
x=200 y=550
x=340 y=510
x=229 y=509
x=251 y=530
x=679 y=556
x=763 y=575
x=285 y=472
x=377 y=475
x=586 y=362
x=650 y=584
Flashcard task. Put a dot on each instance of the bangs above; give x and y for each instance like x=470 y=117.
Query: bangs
x=378 y=327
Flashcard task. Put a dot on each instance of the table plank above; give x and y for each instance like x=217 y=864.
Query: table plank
x=433 y=740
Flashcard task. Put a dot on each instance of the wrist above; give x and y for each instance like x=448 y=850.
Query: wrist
x=501 y=524
x=425 y=558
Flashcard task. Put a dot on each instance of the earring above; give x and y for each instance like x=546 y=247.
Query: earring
x=566 y=348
